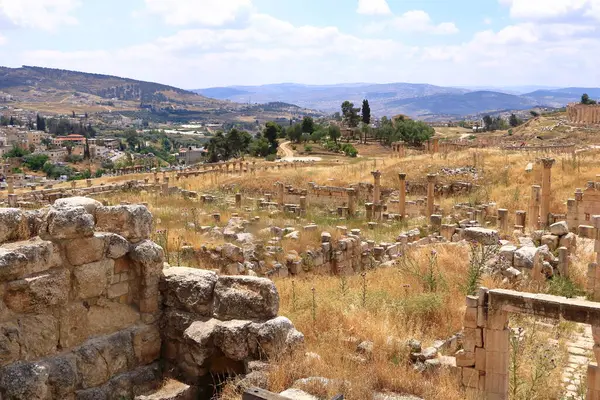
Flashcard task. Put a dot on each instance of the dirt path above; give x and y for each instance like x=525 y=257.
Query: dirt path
x=287 y=154
x=287 y=151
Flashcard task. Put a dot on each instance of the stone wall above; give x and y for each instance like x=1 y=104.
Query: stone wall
x=584 y=205
x=78 y=302
x=583 y=114
x=215 y=326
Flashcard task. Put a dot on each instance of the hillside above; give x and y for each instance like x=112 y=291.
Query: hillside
x=560 y=97
x=58 y=91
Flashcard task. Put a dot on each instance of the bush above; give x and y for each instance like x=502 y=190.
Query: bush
x=308 y=148
x=35 y=162
x=349 y=150
x=271 y=157
x=332 y=146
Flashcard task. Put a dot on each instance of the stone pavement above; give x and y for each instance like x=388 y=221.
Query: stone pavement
x=580 y=355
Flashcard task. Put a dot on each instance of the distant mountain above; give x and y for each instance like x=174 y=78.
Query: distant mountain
x=416 y=100
x=561 y=97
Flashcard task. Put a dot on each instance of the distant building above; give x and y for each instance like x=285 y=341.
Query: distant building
x=59 y=141
x=191 y=155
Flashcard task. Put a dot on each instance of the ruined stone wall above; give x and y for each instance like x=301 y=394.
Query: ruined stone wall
x=214 y=326
x=583 y=114
x=78 y=302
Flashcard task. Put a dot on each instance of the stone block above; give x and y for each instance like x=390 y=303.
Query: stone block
x=189 y=289
x=62 y=375
x=274 y=337
x=496 y=383
x=107 y=317
x=13 y=225
x=482 y=236
x=118 y=290
x=116 y=246
x=497 y=341
x=465 y=359
x=551 y=241
x=470 y=318
x=26 y=258
x=9 y=342
x=133 y=222
x=90 y=205
x=150 y=260
x=146 y=344
x=39 y=336
x=569 y=241
x=85 y=250
x=244 y=297
x=559 y=229
x=470 y=377
x=91 y=280
x=480 y=356
x=24 y=381
x=37 y=293
x=68 y=223
x=496 y=362
x=524 y=257
x=73 y=325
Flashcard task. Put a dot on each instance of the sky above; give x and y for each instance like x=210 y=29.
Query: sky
x=205 y=43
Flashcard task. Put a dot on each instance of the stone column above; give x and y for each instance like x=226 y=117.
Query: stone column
x=431 y=178
x=73 y=184
x=303 y=205
x=534 y=207
x=88 y=182
x=376 y=187
x=280 y=190
x=546 y=183
x=563 y=262
x=436 y=145
x=369 y=209
x=11 y=185
x=520 y=220
x=351 y=201
x=503 y=219
x=238 y=200
x=165 y=186
x=402 y=195
x=12 y=200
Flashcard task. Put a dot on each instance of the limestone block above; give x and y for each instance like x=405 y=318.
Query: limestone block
x=470 y=318
x=559 y=229
x=470 y=377
x=89 y=204
x=85 y=250
x=482 y=236
x=231 y=337
x=37 y=293
x=273 y=337
x=128 y=385
x=173 y=390
x=245 y=297
x=73 y=325
x=133 y=222
x=551 y=241
x=569 y=241
x=117 y=290
x=68 y=223
x=232 y=252
x=13 y=225
x=465 y=359
x=38 y=336
x=189 y=289
x=91 y=280
x=480 y=356
x=62 y=375
x=116 y=246
x=24 y=380
x=508 y=253
x=524 y=257
x=9 y=343
x=150 y=258
x=27 y=258
x=146 y=344
x=199 y=338
x=107 y=317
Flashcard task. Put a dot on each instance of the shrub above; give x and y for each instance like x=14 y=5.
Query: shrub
x=271 y=157
x=349 y=150
x=308 y=148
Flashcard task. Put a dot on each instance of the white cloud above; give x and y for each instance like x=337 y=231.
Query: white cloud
x=39 y=14
x=373 y=7
x=553 y=9
x=203 y=12
x=3 y=40
x=420 y=21
x=487 y=21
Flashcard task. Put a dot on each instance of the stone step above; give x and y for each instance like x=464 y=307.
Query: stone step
x=172 y=390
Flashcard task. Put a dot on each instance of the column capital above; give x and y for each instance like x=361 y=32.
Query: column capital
x=548 y=162
x=376 y=174
x=431 y=178
x=402 y=176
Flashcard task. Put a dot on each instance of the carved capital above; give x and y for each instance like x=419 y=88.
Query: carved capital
x=431 y=178
x=376 y=174
x=402 y=176
x=548 y=162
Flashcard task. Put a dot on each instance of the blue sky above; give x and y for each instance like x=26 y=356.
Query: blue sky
x=203 y=43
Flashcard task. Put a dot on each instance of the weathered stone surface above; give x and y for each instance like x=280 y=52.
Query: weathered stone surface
x=297 y=394
x=38 y=336
x=273 y=337
x=559 y=229
x=199 y=338
x=11 y=224
x=233 y=252
x=482 y=235
x=116 y=246
x=38 y=292
x=85 y=250
x=146 y=344
x=24 y=380
x=73 y=325
x=232 y=338
x=133 y=222
x=150 y=256
x=172 y=390
x=68 y=223
x=27 y=258
x=524 y=257
x=62 y=375
x=91 y=280
x=551 y=241
x=569 y=241
x=90 y=205
x=10 y=350
x=245 y=297
x=508 y=253
x=189 y=289
x=108 y=317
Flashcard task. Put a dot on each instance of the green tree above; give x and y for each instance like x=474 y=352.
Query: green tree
x=366 y=112
x=294 y=133
x=585 y=99
x=271 y=133
x=35 y=162
x=350 y=114
x=260 y=146
x=513 y=120
x=334 y=132
x=308 y=125
x=69 y=147
x=40 y=123
x=16 y=152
